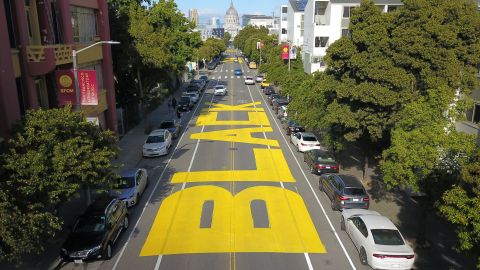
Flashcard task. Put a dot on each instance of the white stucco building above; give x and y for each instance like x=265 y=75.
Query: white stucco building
x=325 y=22
x=283 y=24
x=231 y=21
x=295 y=21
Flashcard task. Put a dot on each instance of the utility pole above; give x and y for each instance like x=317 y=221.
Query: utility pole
x=289 y=54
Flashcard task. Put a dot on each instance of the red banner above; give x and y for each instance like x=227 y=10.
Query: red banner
x=88 y=87
x=65 y=87
x=285 y=52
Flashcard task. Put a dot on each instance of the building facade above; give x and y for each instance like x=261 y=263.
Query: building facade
x=325 y=22
x=231 y=22
x=193 y=16
x=295 y=21
x=283 y=24
x=36 y=39
x=269 y=22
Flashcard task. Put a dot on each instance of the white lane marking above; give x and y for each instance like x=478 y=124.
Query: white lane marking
x=231 y=77
x=226 y=77
x=153 y=191
x=309 y=262
x=238 y=77
x=159 y=261
x=313 y=190
x=213 y=77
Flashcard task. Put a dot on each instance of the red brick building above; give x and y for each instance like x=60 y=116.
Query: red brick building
x=37 y=38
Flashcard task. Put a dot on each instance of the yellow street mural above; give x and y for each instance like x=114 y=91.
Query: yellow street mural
x=176 y=230
x=271 y=167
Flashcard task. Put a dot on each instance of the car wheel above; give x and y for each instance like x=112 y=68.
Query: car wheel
x=332 y=204
x=312 y=169
x=126 y=221
x=342 y=223
x=363 y=256
x=108 y=252
x=320 y=185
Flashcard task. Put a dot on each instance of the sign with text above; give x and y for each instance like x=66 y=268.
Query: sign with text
x=65 y=87
x=88 y=87
x=293 y=53
x=284 y=52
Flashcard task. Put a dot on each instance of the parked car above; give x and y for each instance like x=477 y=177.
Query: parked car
x=157 y=143
x=378 y=241
x=249 y=80
x=252 y=65
x=259 y=78
x=320 y=161
x=193 y=88
x=292 y=126
x=304 y=141
x=131 y=185
x=283 y=112
x=264 y=83
x=269 y=90
x=277 y=103
x=220 y=90
x=204 y=78
x=211 y=65
x=200 y=83
x=271 y=97
x=185 y=103
x=235 y=59
x=193 y=95
x=238 y=72
x=344 y=191
x=173 y=126
x=96 y=231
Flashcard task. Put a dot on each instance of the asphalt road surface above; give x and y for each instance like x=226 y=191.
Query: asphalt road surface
x=232 y=194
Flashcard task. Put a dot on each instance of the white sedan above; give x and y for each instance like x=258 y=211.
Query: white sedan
x=377 y=240
x=220 y=90
x=158 y=143
x=249 y=80
x=304 y=141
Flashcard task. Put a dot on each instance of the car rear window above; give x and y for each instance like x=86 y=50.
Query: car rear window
x=185 y=99
x=155 y=139
x=354 y=191
x=168 y=124
x=309 y=139
x=387 y=237
x=325 y=159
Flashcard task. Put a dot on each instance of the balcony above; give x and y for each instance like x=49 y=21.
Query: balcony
x=320 y=20
x=42 y=59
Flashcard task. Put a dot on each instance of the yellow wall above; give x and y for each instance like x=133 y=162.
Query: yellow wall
x=16 y=64
x=90 y=55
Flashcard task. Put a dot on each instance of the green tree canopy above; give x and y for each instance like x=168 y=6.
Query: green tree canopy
x=51 y=156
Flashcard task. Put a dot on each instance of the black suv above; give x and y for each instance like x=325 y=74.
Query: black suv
x=96 y=231
x=185 y=104
x=344 y=191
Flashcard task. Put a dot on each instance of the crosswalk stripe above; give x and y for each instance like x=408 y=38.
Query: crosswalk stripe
x=213 y=77
x=238 y=77
x=231 y=77
x=226 y=77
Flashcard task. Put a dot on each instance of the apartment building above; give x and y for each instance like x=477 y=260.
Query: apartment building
x=269 y=22
x=325 y=22
x=283 y=25
x=295 y=21
x=36 y=39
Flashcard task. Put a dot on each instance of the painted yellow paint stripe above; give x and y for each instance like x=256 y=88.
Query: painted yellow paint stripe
x=254 y=119
x=240 y=135
x=271 y=166
x=217 y=107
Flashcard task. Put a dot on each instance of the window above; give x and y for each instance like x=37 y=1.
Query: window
x=321 y=42
x=387 y=237
x=381 y=7
x=84 y=24
x=347 y=11
x=9 y=15
x=284 y=31
x=301 y=25
x=284 y=9
x=362 y=228
x=346 y=33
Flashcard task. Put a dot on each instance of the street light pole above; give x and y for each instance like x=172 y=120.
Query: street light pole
x=289 y=54
x=75 y=69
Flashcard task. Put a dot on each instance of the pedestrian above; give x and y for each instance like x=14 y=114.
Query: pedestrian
x=179 y=114
x=174 y=102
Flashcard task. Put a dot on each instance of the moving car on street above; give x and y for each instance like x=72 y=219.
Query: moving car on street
x=378 y=241
x=131 y=185
x=193 y=96
x=259 y=78
x=344 y=191
x=320 y=161
x=249 y=81
x=220 y=90
x=185 y=103
x=238 y=72
x=173 y=126
x=158 y=143
x=292 y=126
x=304 y=141
x=96 y=231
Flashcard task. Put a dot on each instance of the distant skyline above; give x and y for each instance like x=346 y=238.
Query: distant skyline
x=217 y=8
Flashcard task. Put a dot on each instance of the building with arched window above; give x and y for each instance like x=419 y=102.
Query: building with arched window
x=231 y=21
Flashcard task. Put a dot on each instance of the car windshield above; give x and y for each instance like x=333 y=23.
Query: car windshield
x=167 y=124
x=185 y=99
x=219 y=87
x=88 y=224
x=155 y=139
x=354 y=191
x=126 y=182
x=309 y=139
x=249 y=78
x=387 y=237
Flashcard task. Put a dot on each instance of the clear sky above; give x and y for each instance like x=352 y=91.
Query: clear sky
x=209 y=8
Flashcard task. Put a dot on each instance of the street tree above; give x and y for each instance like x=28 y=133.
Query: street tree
x=226 y=38
x=52 y=155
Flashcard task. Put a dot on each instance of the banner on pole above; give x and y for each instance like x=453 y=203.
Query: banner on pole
x=293 y=53
x=259 y=45
x=65 y=87
x=284 y=52
x=88 y=87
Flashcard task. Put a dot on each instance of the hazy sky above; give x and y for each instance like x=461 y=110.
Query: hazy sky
x=209 y=8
